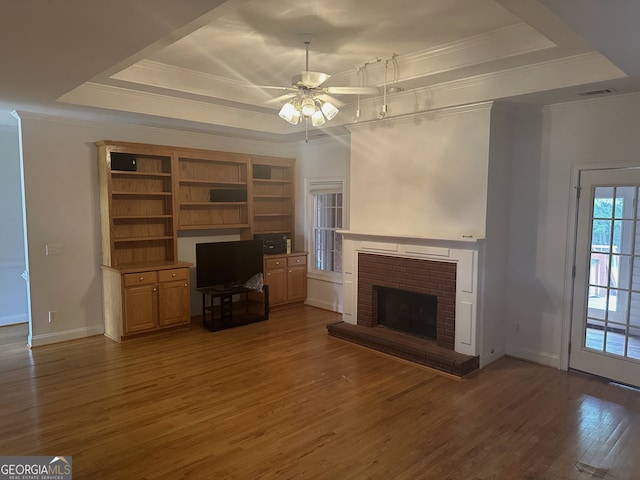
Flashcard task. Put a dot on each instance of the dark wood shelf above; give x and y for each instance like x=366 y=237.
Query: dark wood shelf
x=124 y=173
x=141 y=194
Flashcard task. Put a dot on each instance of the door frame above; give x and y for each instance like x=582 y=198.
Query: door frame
x=570 y=249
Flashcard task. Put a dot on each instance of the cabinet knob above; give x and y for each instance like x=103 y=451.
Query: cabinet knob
x=277 y=263
x=268 y=274
x=141 y=278
x=298 y=260
x=186 y=285
x=290 y=271
x=173 y=274
x=155 y=289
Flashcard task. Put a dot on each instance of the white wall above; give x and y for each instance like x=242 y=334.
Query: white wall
x=62 y=207
x=492 y=313
x=13 y=289
x=423 y=175
x=546 y=145
x=317 y=159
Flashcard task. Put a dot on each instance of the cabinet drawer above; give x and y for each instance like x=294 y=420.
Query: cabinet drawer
x=175 y=274
x=142 y=278
x=274 y=263
x=298 y=260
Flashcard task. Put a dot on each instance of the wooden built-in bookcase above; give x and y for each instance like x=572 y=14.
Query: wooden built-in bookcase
x=137 y=207
x=149 y=193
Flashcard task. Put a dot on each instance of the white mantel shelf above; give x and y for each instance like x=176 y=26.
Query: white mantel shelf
x=419 y=238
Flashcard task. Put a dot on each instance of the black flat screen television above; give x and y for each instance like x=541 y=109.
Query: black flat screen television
x=224 y=265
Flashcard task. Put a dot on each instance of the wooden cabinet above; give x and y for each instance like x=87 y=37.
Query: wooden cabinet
x=275 y=275
x=145 y=301
x=297 y=277
x=273 y=195
x=286 y=276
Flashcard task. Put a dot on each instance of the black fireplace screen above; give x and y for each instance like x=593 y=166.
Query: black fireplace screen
x=409 y=312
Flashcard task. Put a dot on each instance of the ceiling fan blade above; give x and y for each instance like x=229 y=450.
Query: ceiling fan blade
x=328 y=98
x=280 y=99
x=272 y=87
x=310 y=79
x=352 y=90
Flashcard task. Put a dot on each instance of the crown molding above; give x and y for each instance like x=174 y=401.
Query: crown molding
x=581 y=103
x=503 y=43
x=170 y=77
x=135 y=101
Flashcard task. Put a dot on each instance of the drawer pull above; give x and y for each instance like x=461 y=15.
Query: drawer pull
x=277 y=263
x=155 y=289
x=141 y=279
x=173 y=274
x=186 y=285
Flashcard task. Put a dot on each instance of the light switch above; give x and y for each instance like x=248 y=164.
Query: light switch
x=54 y=249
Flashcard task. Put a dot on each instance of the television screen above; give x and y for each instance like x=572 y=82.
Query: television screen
x=227 y=264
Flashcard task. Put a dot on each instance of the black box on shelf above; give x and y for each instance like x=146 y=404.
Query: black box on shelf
x=272 y=243
x=123 y=161
x=228 y=195
x=262 y=171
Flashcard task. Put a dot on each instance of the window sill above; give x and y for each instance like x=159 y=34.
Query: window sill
x=325 y=277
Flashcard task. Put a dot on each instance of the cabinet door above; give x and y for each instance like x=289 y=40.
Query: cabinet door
x=140 y=308
x=296 y=283
x=174 y=303
x=277 y=281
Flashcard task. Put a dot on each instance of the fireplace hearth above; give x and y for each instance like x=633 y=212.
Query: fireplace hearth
x=406 y=307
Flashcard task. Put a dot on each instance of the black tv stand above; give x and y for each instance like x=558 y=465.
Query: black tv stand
x=252 y=306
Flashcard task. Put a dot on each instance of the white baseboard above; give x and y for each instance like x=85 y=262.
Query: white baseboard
x=13 y=319
x=49 y=338
x=542 y=358
x=324 y=305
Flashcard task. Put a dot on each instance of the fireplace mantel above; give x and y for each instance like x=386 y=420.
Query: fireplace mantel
x=464 y=251
x=463 y=238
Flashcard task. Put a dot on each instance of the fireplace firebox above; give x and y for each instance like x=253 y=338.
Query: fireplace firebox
x=408 y=312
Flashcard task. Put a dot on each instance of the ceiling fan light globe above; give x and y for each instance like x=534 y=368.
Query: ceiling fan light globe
x=308 y=107
x=288 y=112
x=317 y=118
x=329 y=110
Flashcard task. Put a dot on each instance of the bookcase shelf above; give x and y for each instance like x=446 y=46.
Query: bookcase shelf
x=272 y=195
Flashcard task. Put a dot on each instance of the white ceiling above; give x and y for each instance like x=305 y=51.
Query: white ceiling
x=195 y=64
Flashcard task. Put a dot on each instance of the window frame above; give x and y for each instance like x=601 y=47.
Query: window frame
x=314 y=186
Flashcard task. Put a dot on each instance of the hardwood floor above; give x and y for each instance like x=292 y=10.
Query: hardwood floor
x=281 y=399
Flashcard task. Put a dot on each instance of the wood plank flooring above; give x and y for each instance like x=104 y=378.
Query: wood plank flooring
x=281 y=399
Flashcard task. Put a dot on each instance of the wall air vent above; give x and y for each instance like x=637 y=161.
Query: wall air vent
x=602 y=91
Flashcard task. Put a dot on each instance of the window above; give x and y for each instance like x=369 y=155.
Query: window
x=325 y=214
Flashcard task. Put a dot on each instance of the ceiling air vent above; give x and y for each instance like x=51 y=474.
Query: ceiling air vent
x=602 y=91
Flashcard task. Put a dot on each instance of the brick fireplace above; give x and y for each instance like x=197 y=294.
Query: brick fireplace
x=445 y=269
x=409 y=274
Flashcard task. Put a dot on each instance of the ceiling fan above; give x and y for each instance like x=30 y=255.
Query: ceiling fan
x=308 y=99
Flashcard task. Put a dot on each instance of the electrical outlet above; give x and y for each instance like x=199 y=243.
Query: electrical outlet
x=53 y=316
